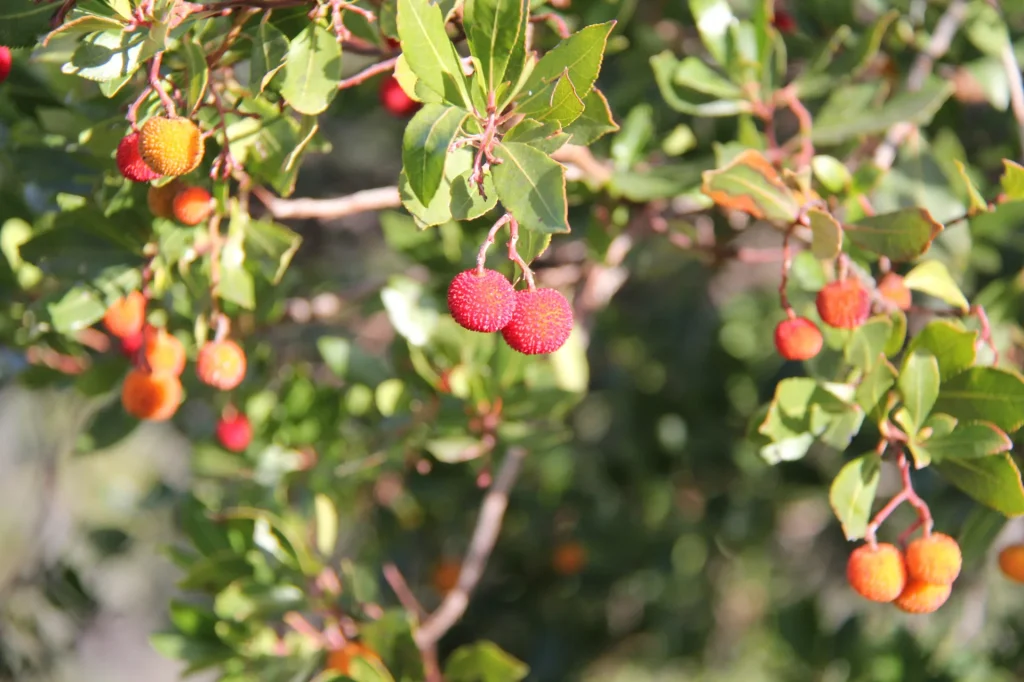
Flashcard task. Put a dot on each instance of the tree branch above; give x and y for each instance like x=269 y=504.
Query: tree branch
x=488 y=525
x=1013 y=78
x=336 y=207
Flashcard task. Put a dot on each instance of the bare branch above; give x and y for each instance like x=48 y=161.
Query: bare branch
x=402 y=590
x=488 y=525
x=368 y=72
x=336 y=207
x=1013 y=78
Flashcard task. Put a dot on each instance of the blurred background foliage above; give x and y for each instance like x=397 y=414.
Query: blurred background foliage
x=699 y=562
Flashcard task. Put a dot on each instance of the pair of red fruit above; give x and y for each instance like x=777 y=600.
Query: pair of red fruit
x=532 y=321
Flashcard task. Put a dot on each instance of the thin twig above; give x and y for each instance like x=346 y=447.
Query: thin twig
x=154 y=82
x=1013 y=79
x=368 y=72
x=335 y=207
x=488 y=525
x=401 y=588
x=481 y=257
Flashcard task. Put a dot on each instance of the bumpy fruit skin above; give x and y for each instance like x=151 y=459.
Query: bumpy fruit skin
x=192 y=205
x=798 y=338
x=481 y=302
x=234 y=432
x=569 y=558
x=161 y=199
x=541 y=323
x=5 y=62
x=892 y=289
x=394 y=99
x=934 y=559
x=844 y=304
x=171 y=146
x=154 y=397
x=446 y=576
x=125 y=316
x=1011 y=562
x=341 y=659
x=877 y=574
x=221 y=364
x=921 y=597
x=130 y=161
x=164 y=353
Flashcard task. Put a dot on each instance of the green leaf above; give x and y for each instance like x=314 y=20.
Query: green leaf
x=336 y=352
x=899 y=332
x=110 y=426
x=916 y=107
x=274 y=242
x=873 y=387
x=237 y=286
x=483 y=662
x=413 y=86
x=713 y=18
x=900 y=236
x=951 y=344
x=425 y=147
x=831 y=173
x=198 y=74
x=984 y=394
x=466 y=202
x=853 y=492
x=106 y=55
x=752 y=185
x=531 y=246
x=1012 y=180
x=531 y=185
x=76 y=310
x=595 y=122
x=368 y=670
x=326 y=521
x=932 y=277
x=455 y=449
x=440 y=210
x=312 y=70
x=194 y=650
x=580 y=54
x=23 y=21
x=803 y=410
x=968 y=441
x=992 y=481
x=547 y=137
x=495 y=29
x=867 y=342
x=976 y=202
x=919 y=386
x=269 y=51
x=986 y=28
x=557 y=102
x=694 y=74
x=437 y=212
x=429 y=52
x=826 y=234
x=686 y=100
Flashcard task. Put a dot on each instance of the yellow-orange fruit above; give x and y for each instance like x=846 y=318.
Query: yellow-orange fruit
x=1011 y=562
x=192 y=206
x=171 y=146
x=844 y=304
x=164 y=353
x=126 y=315
x=921 y=597
x=892 y=288
x=446 y=575
x=161 y=199
x=341 y=659
x=569 y=558
x=877 y=574
x=798 y=338
x=934 y=559
x=221 y=364
x=146 y=395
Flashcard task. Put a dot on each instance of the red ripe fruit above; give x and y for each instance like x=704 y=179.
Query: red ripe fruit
x=797 y=338
x=5 y=63
x=130 y=161
x=131 y=344
x=481 y=302
x=394 y=99
x=541 y=323
x=192 y=205
x=221 y=364
x=234 y=432
x=784 y=21
x=844 y=304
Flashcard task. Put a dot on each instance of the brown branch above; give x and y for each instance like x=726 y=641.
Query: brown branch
x=368 y=72
x=337 y=207
x=488 y=525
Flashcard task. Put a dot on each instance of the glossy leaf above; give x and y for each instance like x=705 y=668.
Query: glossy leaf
x=969 y=441
x=268 y=55
x=831 y=173
x=428 y=51
x=686 y=100
x=919 y=386
x=900 y=236
x=984 y=394
x=312 y=70
x=867 y=343
x=993 y=481
x=483 y=662
x=425 y=147
x=106 y=55
x=752 y=185
x=916 y=107
x=951 y=344
x=23 y=21
x=558 y=102
x=932 y=277
x=853 y=492
x=975 y=201
x=532 y=187
x=198 y=74
x=1012 y=180
x=595 y=122
x=580 y=54
x=826 y=233
x=495 y=29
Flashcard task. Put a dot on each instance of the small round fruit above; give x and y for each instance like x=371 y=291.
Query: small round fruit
x=877 y=574
x=541 y=322
x=934 y=559
x=1011 y=562
x=5 y=62
x=161 y=199
x=569 y=558
x=844 y=304
x=171 y=146
x=126 y=315
x=164 y=353
x=341 y=659
x=130 y=161
x=892 y=288
x=797 y=338
x=481 y=302
x=131 y=344
x=192 y=206
x=394 y=99
x=921 y=597
x=150 y=396
x=221 y=364
x=446 y=576
x=234 y=432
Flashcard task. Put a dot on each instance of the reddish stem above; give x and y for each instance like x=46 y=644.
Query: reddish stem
x=154 y=82
x=481 y=257
x=368 y=72
x=514 y=256
x=787 y=263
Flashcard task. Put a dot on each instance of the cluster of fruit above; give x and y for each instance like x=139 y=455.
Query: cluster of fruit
x=843 y=304
x=532 y=321
x=917 y=581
